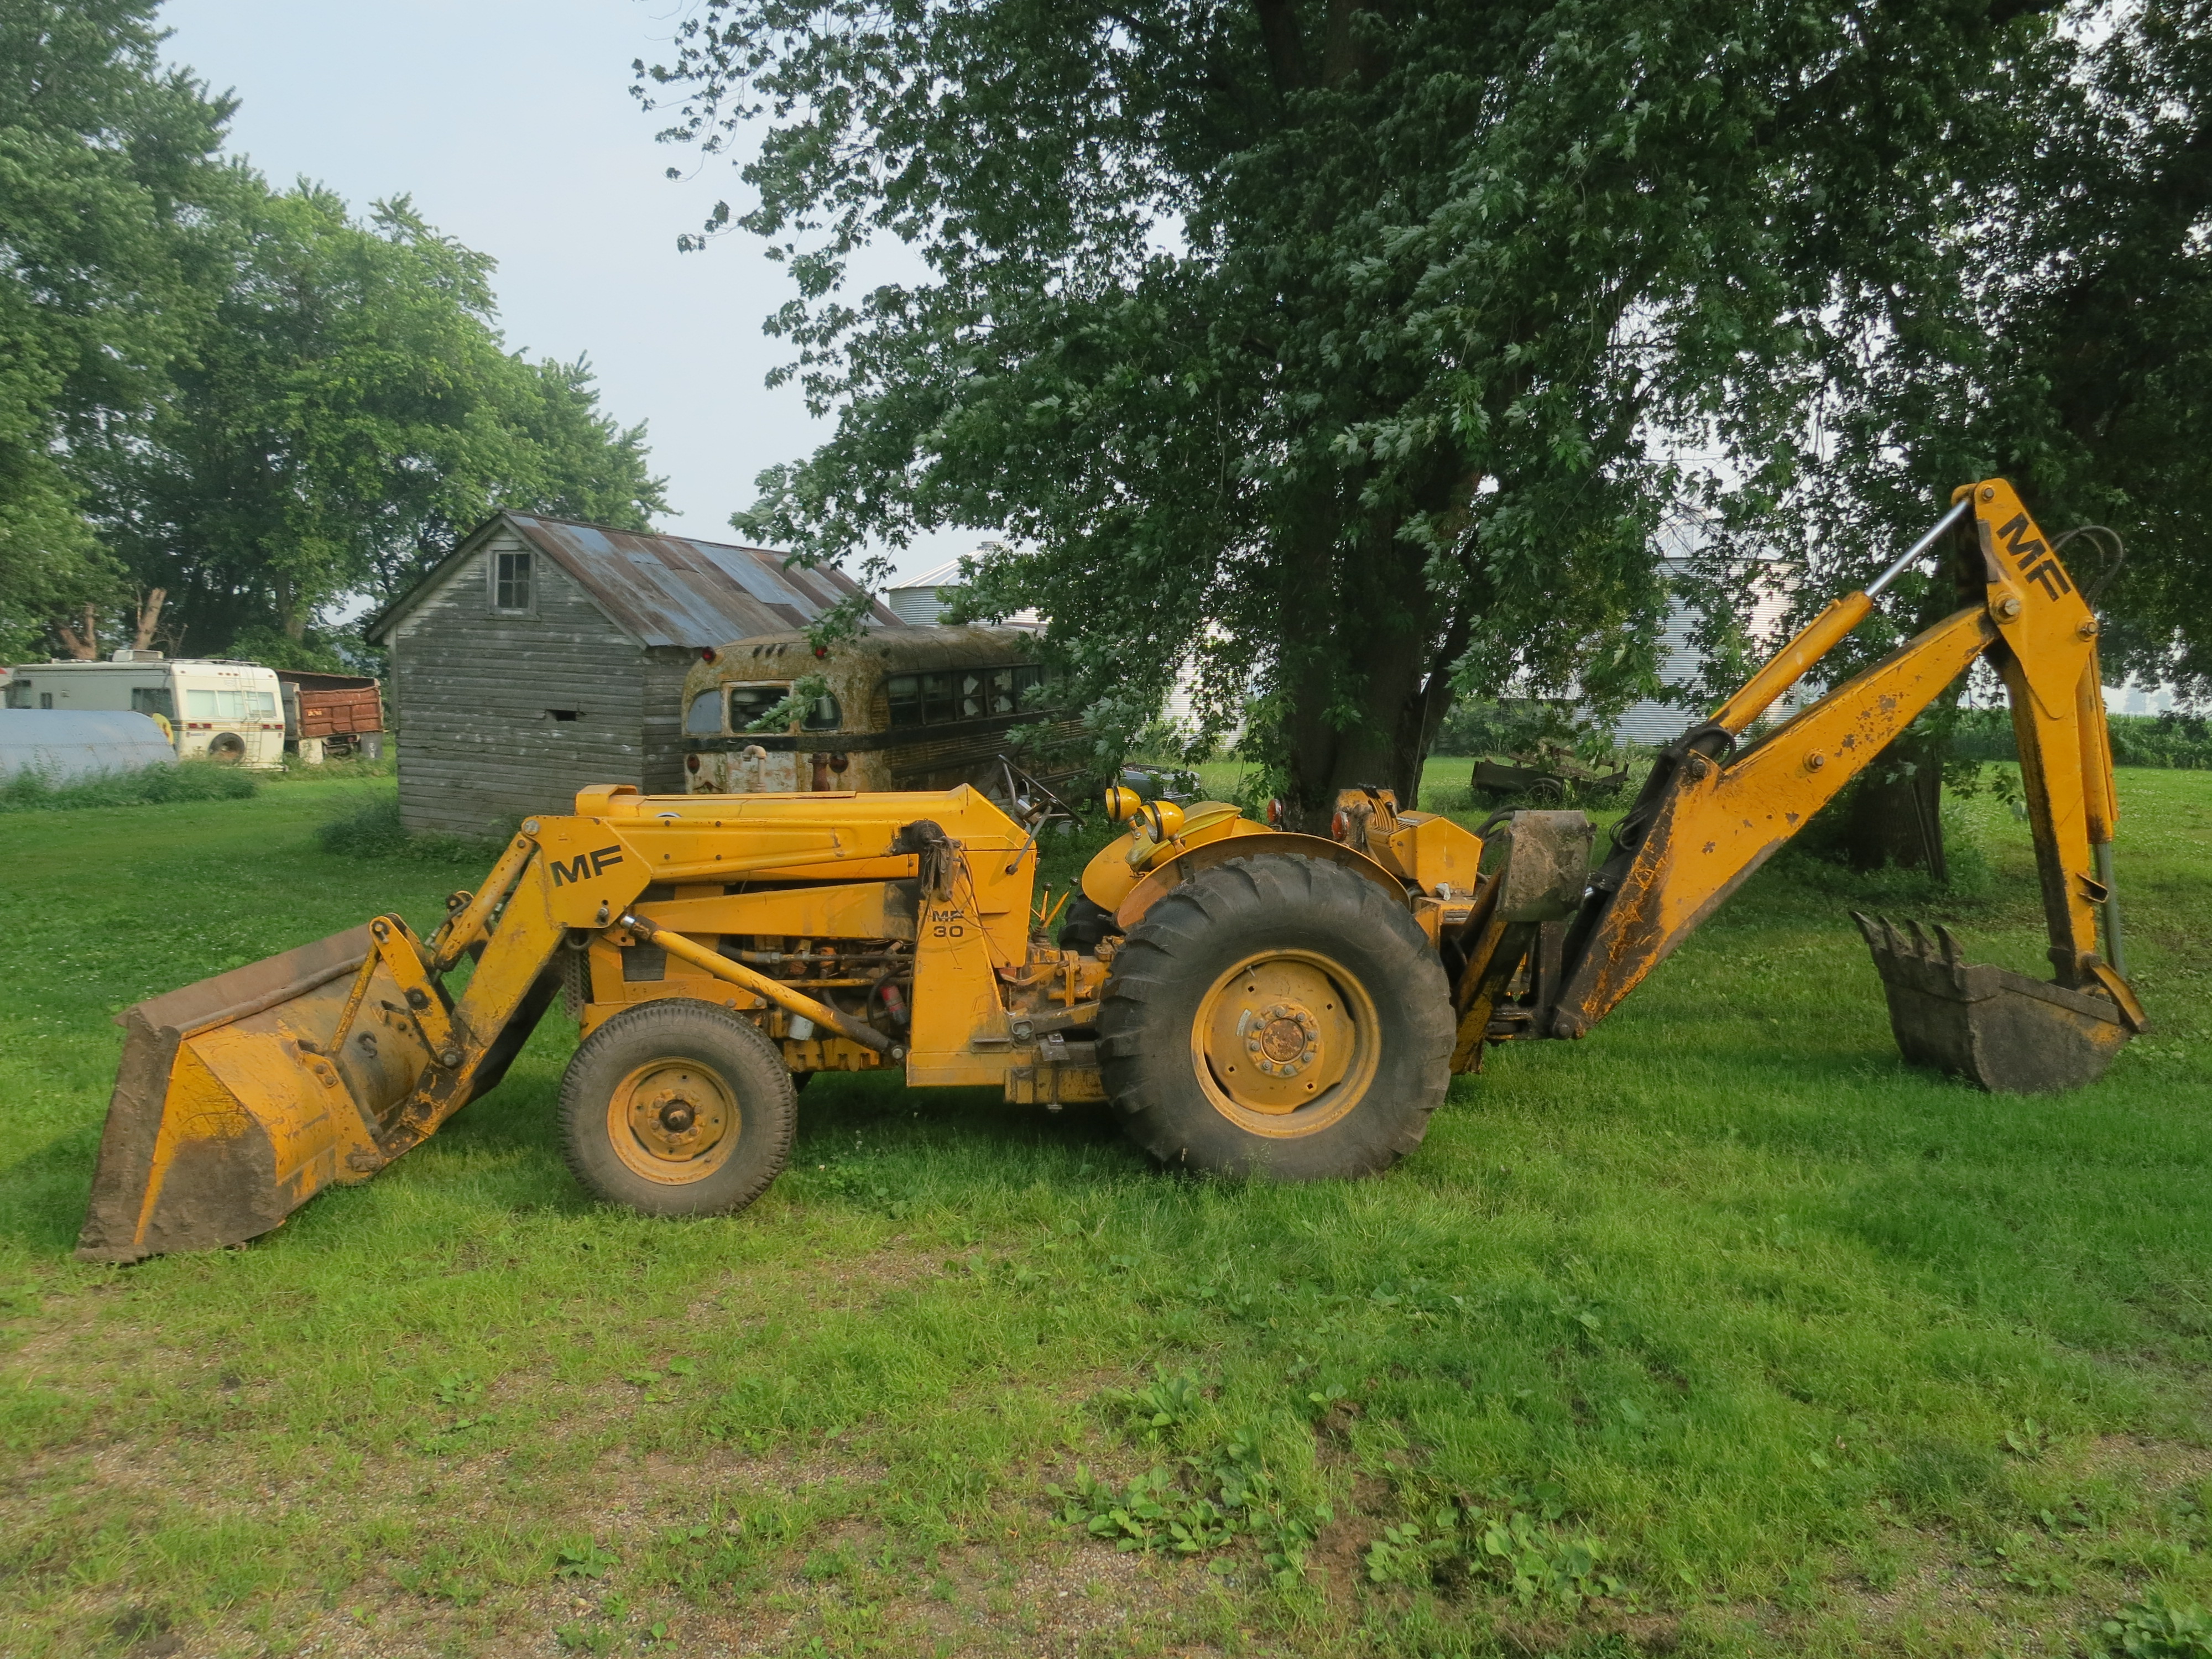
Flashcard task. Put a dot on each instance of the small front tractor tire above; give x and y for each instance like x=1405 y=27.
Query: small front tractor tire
x=677 y=1107
x=1278 y=1017
x=1087 y=922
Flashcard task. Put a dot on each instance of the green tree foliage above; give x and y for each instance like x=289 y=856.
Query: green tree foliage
x=1343 y=343
x=243 y=396
x=2063 y=337
x=348 y=413
x=107 y=160
x=2050 y=320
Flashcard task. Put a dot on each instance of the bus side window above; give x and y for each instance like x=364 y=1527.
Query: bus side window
x=704 y=717
x=1027 y=678
x=153 y=700
x=973 y=702
x=1002 y=691
x=937 y=703
x=904 y=691
x=822 y=714
x=748 y=703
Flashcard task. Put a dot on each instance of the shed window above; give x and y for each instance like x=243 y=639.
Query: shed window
x=511 y=581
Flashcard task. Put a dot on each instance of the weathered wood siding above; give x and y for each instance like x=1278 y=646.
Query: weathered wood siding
x=479 y=748
x=662 y=700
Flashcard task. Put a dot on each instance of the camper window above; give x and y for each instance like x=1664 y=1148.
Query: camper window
x=230 y=705
x=153 y=700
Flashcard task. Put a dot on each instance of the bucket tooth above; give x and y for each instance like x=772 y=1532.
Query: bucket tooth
x=2009 y=1033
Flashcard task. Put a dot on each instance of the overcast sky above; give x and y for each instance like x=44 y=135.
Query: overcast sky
x=512 y=124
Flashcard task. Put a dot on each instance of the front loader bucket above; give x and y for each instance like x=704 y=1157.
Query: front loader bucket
x=230 y=1110
x=2011 y=1034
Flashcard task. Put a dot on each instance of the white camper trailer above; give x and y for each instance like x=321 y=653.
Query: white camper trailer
x=220 y=711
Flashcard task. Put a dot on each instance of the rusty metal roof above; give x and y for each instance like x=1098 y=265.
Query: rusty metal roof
x=669 y=589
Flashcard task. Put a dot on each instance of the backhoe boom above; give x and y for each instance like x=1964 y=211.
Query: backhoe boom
x=1709 y=817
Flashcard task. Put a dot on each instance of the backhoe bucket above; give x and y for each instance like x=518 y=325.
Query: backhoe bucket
x=2011 y=1034
x=230 y=1110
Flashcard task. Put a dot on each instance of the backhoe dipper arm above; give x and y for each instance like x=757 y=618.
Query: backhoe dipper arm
x=1705 y=821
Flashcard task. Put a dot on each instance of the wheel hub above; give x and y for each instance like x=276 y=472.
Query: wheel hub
x=673 y=1120
x=1283 y=1039
x=1275 y=1037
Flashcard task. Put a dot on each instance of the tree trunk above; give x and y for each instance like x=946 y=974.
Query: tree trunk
x=1359 y=659
x=84 y=647
x=1895 y=814
x=290 y=617
x=150 y=617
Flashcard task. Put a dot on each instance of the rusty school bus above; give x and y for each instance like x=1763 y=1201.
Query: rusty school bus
x=904 y=708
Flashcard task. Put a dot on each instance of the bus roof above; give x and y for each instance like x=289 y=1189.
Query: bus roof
x=898 y=650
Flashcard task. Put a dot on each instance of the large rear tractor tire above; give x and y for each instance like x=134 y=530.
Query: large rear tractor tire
x=677 y=1107
x=1277 y=1016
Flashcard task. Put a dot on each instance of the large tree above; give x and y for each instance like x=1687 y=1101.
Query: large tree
x=2050 y=322
x=1342 y=343
x=347 y=412
x=107 y=169
x=2069 y=344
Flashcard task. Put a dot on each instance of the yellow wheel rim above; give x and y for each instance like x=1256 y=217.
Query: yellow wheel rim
x=1285 y=1044
x=674 y=1121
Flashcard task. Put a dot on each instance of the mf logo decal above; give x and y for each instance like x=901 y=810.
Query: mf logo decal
x=575 y=869
x=2031 y=558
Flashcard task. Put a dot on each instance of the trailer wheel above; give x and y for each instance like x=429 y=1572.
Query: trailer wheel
x=1279 y=1017
x=677 y=1107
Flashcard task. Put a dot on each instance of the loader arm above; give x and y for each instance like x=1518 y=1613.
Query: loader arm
x=239 y=1098
x=1709 y=817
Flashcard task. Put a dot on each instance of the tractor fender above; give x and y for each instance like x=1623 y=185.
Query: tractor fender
x=1163 y=879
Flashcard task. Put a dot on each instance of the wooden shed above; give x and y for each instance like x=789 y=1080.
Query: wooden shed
x=544 y=655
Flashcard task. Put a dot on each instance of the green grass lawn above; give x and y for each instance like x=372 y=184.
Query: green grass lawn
x=1719 y=1331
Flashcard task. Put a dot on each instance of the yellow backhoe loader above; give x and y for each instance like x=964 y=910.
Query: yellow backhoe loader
x=1249 y=1000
